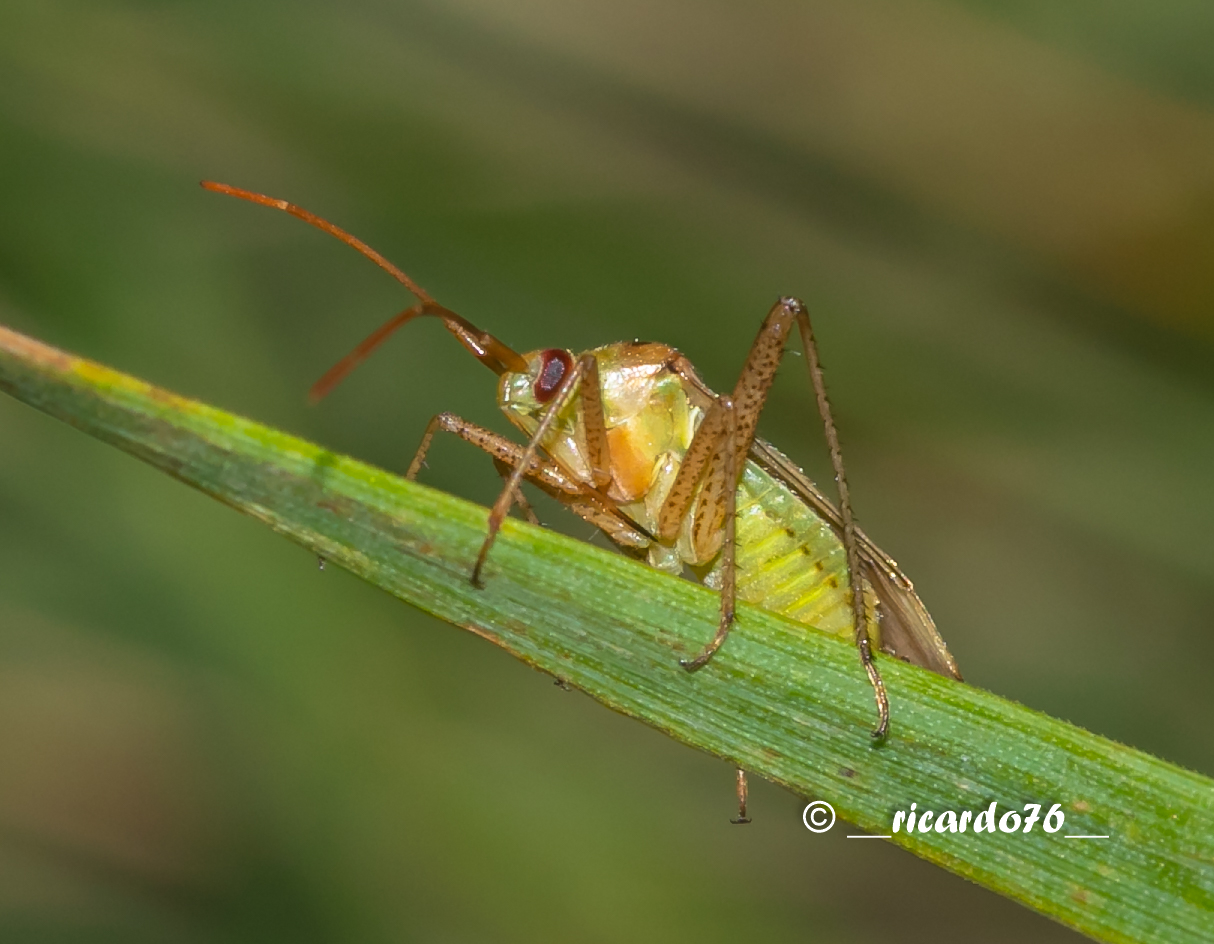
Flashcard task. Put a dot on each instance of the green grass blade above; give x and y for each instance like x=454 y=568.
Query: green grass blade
x=782 y=701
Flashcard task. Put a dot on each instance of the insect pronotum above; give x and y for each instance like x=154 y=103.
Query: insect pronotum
x=628 y=437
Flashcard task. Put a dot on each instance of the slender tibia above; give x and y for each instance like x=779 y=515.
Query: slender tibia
x=419 y=457
x=728 y=570
x=569 y=385
x=548 y=475
x=590 y=505
x=742 y=790
x=850 y=543
x=504 y=469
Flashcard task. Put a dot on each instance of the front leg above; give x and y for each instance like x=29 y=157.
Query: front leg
x=543 y=472
x=583 y=500
x=580 y=381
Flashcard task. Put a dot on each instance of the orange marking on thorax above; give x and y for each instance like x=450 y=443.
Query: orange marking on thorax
x=632 y=463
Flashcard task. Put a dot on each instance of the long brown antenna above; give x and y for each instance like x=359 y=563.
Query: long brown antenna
x=321 y=224
x=487 y=349
x=481 y=344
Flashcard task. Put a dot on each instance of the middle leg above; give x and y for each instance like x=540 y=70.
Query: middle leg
x=704 y=457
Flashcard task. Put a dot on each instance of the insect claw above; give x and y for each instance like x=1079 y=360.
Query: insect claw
x=494 y=527
x=726 y=624
x=699 y=661
x=742 y=818
x=878 y=685
x=475 y=578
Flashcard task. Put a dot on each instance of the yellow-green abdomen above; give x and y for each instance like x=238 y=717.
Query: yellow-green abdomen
x=788 y=559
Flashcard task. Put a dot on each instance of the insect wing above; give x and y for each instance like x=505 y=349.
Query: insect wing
x=907 y=629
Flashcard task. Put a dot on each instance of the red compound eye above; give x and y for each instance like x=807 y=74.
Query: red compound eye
x=554 y=365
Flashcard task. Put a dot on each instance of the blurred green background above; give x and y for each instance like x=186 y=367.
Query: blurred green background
x=1002 y=217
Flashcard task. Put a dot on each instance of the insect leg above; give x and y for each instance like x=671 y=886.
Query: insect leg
x=742 y=817
x=504 y=469
x=595 y=424
x=543 y=472
x=478 y=436
x=441 y=421
x=703 y=450
x=850 y=542
x=732 y=420
x=570 y=384
x=749 y=396
x=727 y=485
x=580 y=498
